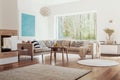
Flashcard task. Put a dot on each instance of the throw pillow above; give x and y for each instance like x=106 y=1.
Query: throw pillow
x=79 y=43
x=48 y=43
x=76 y=43
x=72 y=44
x=35 y=44
x=42 y=44
x=66 y=43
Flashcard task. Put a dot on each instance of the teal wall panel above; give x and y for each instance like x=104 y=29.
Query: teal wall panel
x=28 y=25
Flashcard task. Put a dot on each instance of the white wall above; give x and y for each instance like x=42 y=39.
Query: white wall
x=56 y=2
x=41 y=24
x=8 y=14
x=106 y=10
x=0 y=13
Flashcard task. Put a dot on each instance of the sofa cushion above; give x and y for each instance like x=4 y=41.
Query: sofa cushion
x=73 y=49
x=36 y=50
x=42 y=44
x=76 y=43
x=48 y=43
x=81 y=50
x=79 y=43
x=35 y=44
x=39 y=50
x=66 y=43
x=59 y=42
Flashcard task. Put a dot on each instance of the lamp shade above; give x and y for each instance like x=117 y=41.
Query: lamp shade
x=45 y=11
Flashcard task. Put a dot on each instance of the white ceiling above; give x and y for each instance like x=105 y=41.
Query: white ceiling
x=54 y=2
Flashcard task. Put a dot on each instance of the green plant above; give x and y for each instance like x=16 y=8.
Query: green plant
x=109 y=31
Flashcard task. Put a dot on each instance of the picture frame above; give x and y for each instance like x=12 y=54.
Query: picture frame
x=27 y=25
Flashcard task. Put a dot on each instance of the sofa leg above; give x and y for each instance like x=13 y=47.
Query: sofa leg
x=18 y=57
x=42 y=58
x=67 y=56
x=92 y=57
x=31 y=57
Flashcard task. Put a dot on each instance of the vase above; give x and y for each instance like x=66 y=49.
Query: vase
x=109 y=41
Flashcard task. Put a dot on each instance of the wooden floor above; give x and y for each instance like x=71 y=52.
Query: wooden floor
x=98 y=73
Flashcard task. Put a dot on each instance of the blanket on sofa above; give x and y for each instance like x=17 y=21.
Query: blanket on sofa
x=43 y=72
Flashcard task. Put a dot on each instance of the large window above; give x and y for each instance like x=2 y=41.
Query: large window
x=78 y=26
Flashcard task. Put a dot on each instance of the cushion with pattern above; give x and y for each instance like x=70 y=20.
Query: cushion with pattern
x=35 y=44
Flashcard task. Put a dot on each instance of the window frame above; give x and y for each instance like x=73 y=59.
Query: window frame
x=70 y=14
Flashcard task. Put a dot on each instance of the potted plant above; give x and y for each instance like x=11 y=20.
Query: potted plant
x=109 y=32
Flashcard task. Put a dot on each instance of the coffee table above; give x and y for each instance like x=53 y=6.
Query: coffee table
x=56 y=49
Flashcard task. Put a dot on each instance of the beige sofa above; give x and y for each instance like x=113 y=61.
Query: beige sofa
x=82 y=48
x=29 y=50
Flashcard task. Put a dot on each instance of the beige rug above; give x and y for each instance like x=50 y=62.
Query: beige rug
x=43 y=72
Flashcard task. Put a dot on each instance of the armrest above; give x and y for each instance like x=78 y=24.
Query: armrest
x=27 y=46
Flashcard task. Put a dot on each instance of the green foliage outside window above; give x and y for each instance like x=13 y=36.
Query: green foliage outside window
x=80 y=26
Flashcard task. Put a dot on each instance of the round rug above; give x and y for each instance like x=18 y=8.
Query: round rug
x=98 y=62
